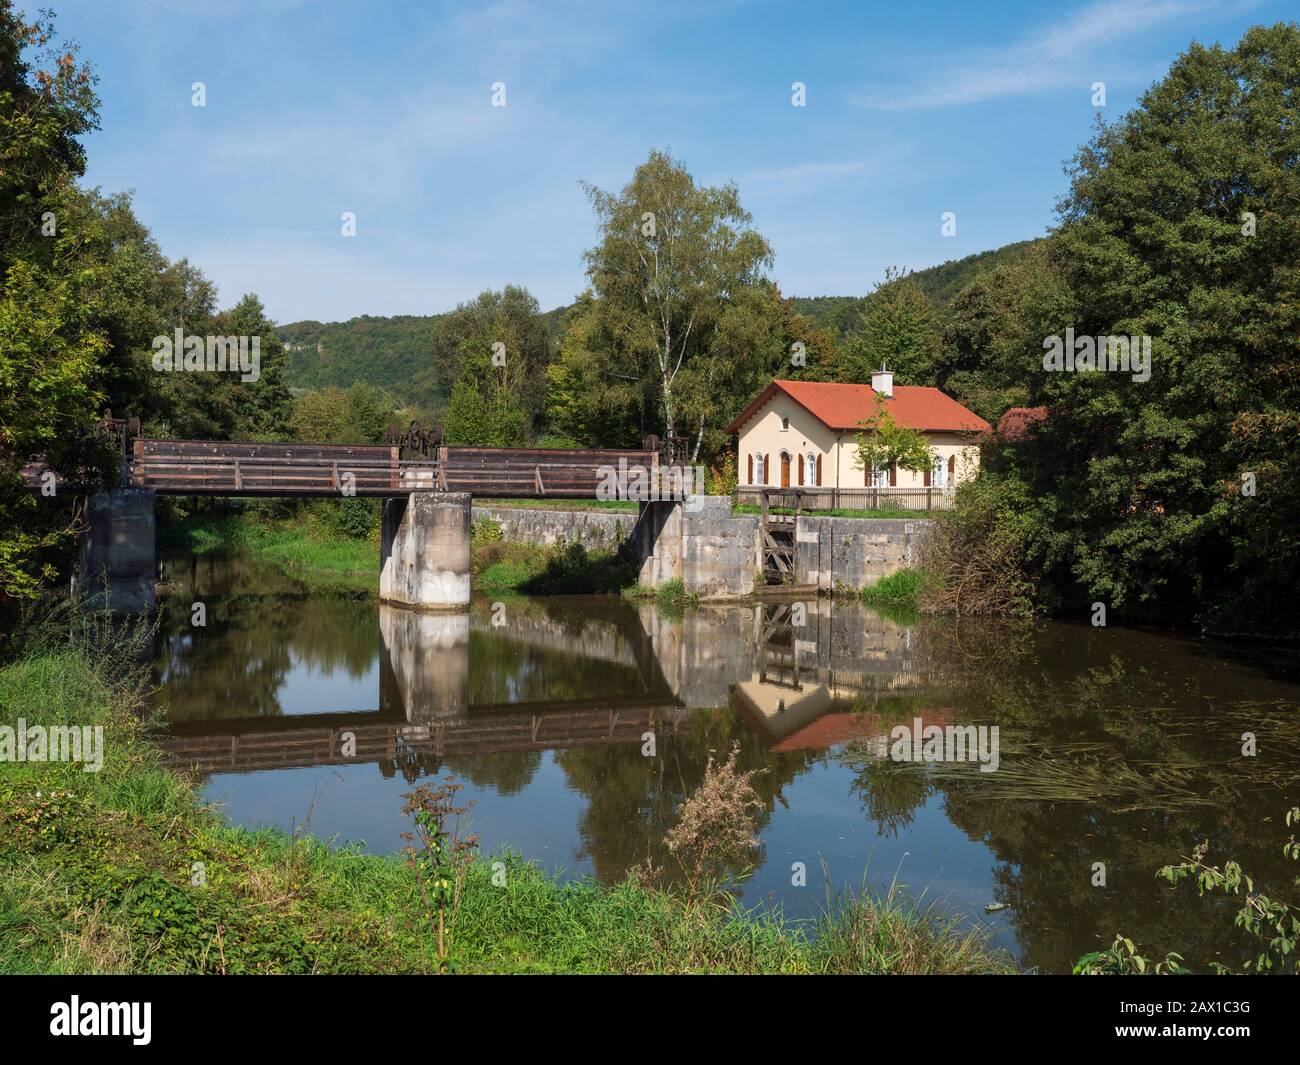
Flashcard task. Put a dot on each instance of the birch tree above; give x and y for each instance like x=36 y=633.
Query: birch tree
x=671 y=256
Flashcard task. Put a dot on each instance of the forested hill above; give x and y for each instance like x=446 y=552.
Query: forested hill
x=393 y=353
x=838 y=315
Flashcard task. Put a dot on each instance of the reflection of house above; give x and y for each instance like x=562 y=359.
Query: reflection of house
x=797 y=701
x=805 y=433
x=815 y=716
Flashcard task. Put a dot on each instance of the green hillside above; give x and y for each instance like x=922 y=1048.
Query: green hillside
x=838 y=315
x=389 y=352
x=394 y=353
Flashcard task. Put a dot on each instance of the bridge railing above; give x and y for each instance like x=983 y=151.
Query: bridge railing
x=203 y=467
x=196 y=467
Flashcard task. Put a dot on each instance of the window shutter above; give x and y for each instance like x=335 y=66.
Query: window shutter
x=927 y=477
x=819 y=471
x=893 y=475
x=800 y=463
x=750 y=478
x=952 y=469
x=767 y=466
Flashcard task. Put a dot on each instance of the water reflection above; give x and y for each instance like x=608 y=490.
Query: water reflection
x=1118 y=747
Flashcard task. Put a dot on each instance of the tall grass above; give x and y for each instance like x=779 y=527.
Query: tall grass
x=901 y=588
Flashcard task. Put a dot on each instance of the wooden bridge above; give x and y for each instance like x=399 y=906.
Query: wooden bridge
x=222 y=468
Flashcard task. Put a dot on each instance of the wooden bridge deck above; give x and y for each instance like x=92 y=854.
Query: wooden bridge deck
x=222 y=468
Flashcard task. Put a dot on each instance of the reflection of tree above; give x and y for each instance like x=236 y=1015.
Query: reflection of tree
x=632 y=800
x=890 y=792
x=506 y=669
x=235 y=665
x=507 y=773
x=1139 y=712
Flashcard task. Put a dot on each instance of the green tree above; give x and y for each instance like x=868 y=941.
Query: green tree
x=475 y=418
x=360 y=414
x=898 y=328
x=497 y=345
x=51 y=385
x=993 y=332
x=672 y=258
x=884 y=443
x=1182 y=224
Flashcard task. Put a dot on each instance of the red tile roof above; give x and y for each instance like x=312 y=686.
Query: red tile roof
x=1020 y=423
x=843 y=406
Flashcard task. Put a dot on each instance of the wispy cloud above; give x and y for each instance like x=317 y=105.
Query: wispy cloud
x=1067 y=53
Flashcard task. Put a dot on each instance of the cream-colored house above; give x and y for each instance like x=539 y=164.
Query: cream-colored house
x=804 y=433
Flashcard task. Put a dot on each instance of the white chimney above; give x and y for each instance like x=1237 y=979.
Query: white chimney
x=882 y=381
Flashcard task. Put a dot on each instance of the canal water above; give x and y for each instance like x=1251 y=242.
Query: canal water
x=1117 y=751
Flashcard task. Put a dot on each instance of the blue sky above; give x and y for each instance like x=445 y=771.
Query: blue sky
x=384 y=109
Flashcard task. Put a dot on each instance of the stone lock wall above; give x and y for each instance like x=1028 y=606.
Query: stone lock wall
x=854 y=552
x=716 y=553
x=596 y=530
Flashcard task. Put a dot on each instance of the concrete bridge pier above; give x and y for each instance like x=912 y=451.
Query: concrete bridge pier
x=117 y=570
x=424 y=554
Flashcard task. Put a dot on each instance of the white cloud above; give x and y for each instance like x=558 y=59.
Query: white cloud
x=1068 y=53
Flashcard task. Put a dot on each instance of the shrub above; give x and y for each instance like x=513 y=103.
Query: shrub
x=974 y=556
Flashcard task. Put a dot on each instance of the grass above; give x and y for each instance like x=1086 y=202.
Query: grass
x=561 y=504
x=319 y=556
x=126 y=871
x=898 y=589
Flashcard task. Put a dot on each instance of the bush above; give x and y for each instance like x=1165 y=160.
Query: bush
x=974 y=557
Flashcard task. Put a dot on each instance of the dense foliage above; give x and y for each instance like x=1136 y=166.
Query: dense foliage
x=1182 y=224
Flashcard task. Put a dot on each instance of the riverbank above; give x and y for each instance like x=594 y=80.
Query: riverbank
x=126 y=871
x=321 y=558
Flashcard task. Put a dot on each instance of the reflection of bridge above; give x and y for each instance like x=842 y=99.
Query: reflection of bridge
x=241 y=746
x=798 y=686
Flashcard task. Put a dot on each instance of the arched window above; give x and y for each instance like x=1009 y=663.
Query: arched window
x=939 y=471
x=809 y=474
x=758 y=470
